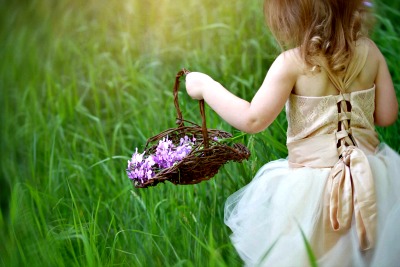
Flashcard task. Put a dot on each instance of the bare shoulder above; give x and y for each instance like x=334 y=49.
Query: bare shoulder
x=386 y=106
x=374 y=62
x=283 y=73
x=290 y=62
x=368 y=41
x=293 y=58
x=373 y=50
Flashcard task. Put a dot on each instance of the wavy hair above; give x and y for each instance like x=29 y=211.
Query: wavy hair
x=328 y=28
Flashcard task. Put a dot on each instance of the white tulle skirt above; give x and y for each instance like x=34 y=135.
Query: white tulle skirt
x=268 y=216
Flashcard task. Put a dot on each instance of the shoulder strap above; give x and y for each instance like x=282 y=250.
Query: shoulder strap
x=354 y=68
x=357 y=63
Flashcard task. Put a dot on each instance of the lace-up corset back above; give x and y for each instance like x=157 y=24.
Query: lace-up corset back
x=343 y=114
x=311 y=116
x=337 y=132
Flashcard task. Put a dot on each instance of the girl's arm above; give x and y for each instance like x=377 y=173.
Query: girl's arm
x=268 y=102
x=386 y=106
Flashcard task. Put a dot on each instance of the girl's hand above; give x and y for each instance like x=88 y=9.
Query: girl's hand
x=197 y=83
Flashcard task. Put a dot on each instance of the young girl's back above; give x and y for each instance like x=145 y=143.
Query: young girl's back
x=316 y=82
x=338 y=190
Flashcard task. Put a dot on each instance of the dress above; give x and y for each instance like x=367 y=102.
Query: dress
x=339 y=186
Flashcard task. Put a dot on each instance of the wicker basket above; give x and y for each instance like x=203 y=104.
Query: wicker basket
x=205 y=158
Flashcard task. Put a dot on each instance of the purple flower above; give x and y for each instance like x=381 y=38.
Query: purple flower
x=368 y=4
x=141 y=168
x=182 y=151
x=164 y=153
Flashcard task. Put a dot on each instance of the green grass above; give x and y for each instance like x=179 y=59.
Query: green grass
x=82 y=83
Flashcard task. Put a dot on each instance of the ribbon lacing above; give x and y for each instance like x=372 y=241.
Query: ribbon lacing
x=351 y=188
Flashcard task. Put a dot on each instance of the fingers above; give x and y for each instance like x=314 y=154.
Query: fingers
x=195 y=85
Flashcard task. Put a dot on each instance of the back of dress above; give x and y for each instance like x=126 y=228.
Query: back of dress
x=339 y=121
x=338 y=132
x=338 y=188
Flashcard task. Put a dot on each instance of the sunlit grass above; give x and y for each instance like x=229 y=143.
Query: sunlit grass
x=85 y=82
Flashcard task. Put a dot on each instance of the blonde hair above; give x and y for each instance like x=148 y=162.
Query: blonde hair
x=328 y=28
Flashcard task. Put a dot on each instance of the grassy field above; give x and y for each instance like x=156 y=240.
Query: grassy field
x=83 y=83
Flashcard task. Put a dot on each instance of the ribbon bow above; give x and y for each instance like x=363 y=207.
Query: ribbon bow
x=351 y=186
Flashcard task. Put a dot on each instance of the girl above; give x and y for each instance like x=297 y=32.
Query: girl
x=339 y=187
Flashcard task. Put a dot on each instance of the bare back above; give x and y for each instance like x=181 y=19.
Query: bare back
x=317 y=83
x=374 y=71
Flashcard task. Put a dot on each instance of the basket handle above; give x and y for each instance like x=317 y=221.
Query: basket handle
x=180 y=120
